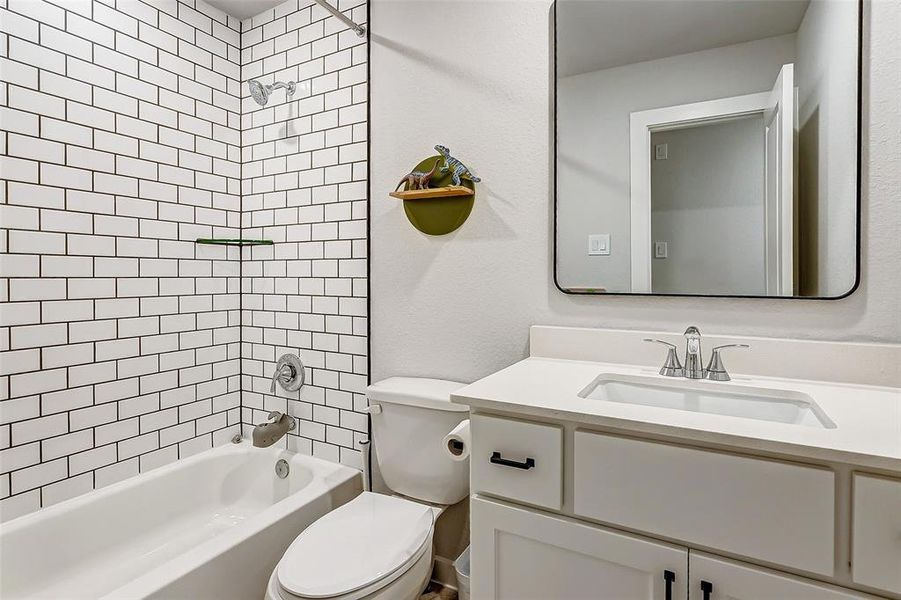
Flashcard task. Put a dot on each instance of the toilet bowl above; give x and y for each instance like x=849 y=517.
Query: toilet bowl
x=379 y=546
x=374 y=547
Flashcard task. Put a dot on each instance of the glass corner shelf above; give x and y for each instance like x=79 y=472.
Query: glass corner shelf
x=233 y=242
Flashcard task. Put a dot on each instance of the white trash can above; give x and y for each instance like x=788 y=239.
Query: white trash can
x=461 y=566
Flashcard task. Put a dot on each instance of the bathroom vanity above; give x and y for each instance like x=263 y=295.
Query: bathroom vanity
x=591 y=478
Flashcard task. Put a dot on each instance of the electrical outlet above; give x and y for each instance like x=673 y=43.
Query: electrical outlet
x=660 y=249
x=661 y=152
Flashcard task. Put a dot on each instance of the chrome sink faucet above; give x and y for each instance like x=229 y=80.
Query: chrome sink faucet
x=694 y=369
x=694 y=363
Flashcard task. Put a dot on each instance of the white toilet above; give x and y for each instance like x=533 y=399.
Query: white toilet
x=379 y=546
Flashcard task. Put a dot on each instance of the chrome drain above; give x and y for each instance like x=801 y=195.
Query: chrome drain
x=282 y=469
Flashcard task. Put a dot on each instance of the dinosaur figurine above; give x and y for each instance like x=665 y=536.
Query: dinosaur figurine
x=418 y=180
x=458 y=168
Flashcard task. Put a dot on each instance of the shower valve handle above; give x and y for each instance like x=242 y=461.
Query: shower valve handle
x=289 y=373
x=283 y=374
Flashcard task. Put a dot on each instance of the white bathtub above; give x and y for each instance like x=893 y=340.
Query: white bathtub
x=210 y=526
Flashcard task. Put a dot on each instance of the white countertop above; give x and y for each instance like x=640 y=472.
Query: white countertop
x=867 y=418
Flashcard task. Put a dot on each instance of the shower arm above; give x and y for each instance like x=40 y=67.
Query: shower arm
x=290 y=86
x=359 y=29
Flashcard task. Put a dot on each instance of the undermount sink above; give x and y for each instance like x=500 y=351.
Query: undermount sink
x=747 y=402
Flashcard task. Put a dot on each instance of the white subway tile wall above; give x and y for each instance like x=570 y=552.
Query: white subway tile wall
x=304 y=186
x=126 y=132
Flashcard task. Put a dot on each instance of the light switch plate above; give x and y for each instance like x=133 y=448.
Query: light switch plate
x=599 y=244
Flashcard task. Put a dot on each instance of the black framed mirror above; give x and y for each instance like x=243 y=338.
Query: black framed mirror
x=707 y=147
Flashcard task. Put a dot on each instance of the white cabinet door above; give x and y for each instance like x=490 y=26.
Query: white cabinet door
x=876 y=556
x=714 y=578
x=520 y=554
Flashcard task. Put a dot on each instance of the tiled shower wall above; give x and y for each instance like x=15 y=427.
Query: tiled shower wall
x=124 y=129
x=120 y=145
x=304 y=186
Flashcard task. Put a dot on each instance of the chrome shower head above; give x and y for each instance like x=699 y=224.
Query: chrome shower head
x=260 y=92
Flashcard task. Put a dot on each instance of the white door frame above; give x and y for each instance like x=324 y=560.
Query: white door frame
x=642 y=124
x=781 y=186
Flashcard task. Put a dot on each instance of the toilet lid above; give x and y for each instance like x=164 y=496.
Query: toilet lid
x=356 y=547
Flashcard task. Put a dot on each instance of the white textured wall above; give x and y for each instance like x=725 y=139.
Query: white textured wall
x=476 y=76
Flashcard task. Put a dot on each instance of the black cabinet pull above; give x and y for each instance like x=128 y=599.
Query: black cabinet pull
x=669 y=577
x=525 y=465
x=707 y=588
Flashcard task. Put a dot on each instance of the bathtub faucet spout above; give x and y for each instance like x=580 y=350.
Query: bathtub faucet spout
x=266 y=434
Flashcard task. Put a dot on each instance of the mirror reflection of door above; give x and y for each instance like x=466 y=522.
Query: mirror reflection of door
x=707 y=207
x=722 y=195
x=707 y=147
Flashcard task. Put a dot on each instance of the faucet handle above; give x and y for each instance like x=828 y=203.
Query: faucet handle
x=671 y=367
x=656 y=341
x=289 y=373
x=283 y=373
x=716 y=371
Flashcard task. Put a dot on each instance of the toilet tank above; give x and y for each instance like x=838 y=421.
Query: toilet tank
x=410 y=417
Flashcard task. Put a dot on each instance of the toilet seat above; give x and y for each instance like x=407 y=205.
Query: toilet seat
x=357 y=548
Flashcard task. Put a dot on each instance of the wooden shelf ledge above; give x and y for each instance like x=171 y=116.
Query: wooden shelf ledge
x=430 y=193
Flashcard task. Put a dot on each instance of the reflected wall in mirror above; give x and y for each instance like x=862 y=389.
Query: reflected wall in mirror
x=707 y=147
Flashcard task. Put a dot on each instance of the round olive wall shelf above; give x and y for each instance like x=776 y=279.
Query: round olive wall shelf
x=443 y=207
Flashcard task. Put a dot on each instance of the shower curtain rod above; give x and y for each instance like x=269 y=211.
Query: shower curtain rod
x=360 y=29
